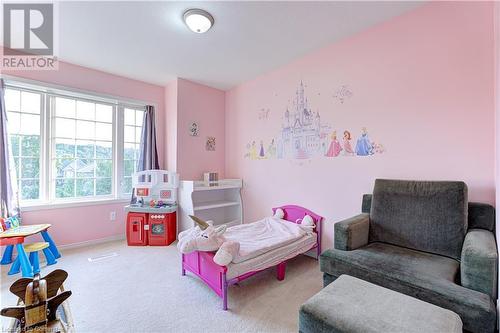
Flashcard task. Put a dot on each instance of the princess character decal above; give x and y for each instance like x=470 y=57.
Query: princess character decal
x=261 y=152
x=335 y=148
x=253 y=151
x=364 y=146
x=347 y=143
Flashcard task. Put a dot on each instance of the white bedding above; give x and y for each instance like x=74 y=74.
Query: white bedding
x=263 y=236
x=272 y=258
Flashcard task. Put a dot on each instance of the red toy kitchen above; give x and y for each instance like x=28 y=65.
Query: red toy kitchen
x=152 y=220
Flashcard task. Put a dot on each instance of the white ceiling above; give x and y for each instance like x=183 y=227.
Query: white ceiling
x=148 y=41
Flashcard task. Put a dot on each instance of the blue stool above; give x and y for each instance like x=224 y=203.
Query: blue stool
x=33 y=249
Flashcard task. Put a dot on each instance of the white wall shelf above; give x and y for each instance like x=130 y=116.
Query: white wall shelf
x=220 y=203
x=215 y=204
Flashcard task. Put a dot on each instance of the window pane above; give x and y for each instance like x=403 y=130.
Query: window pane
x=84 y=187
x=30 y=124
x=104 y=168
x=65 y=168
x=129 y=116
x=103 y=186
x=129 y=151
x=14 y=144
x=104 y=113
x=85 y=168
x=127 y=185
x=103 y=132
x=85 y=129
x=65 y=107
x=85 y=149
x=30 y=168
x=129 y=167
x=138 y=133
x=103 y=150
x=65 y=128
x=30 y=146
x=139 y=117
x=85 y=110
x=12 y=100
x=30 y=189
x=65 y=188
x=30 y=102
x=17 y=163
x=137 y=152
x=129 y=134
x=65 y=148
x=13 y=122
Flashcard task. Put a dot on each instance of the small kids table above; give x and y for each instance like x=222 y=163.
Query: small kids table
x=15 y=236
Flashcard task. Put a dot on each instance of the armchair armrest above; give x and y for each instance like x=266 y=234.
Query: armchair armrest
x=352 y=233
x=478 y=269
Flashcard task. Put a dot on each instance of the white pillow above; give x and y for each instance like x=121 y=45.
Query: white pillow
x=279 y=213
x=307 y=223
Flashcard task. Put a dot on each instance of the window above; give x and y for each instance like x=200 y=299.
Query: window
x=83 y=138
x=24 y=110
x=69 y=147
x=131 y=142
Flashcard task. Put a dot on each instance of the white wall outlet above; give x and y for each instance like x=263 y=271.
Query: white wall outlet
x=112 y=216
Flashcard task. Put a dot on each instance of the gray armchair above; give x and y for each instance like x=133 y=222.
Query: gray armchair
x=425 y=240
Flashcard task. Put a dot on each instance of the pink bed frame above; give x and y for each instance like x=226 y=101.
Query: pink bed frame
x=202 y=264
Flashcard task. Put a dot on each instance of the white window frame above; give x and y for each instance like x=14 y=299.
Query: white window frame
x=47 y=145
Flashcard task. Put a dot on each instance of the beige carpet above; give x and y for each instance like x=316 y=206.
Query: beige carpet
x=142 y=290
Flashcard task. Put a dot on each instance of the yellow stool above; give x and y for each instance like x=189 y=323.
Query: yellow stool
x=33 y=249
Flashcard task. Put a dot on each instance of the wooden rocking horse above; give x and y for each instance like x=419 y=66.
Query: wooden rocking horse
x=38 y=305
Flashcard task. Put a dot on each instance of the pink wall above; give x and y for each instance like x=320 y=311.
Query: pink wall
x=422 y=84
x=78 y=224
x=171 y=125
x=205 y=105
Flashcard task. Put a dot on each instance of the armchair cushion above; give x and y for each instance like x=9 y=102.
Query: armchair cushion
x=420 y=215
x=352 y=233
x=429 y=277
x=478 y=269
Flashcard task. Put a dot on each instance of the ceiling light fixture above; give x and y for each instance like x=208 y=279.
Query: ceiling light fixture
x=198 y=20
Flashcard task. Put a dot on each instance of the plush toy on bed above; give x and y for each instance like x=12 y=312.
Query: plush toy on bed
x=307 y=222
x=206 y=237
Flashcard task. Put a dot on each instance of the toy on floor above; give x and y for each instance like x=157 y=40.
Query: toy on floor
x=41 y=307
x=32 y=249
x=205 y=237
x=14 y=234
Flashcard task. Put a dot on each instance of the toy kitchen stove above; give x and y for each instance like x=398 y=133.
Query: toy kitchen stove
x=153 y=219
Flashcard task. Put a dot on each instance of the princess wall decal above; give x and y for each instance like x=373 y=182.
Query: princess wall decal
x=334 y=149
x=346 y=141
x=305 y=135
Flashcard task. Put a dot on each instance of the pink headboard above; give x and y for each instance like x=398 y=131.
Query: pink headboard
x=295 y=214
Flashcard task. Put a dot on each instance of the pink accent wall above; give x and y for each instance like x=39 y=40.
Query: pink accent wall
x=171 y=125
x=79 y=224
x=422 y=84
x=205 y=105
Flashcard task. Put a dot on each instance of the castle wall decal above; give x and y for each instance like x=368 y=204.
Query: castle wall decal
x=303 y=136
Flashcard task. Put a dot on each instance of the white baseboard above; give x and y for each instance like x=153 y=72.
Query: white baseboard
x=91 y=242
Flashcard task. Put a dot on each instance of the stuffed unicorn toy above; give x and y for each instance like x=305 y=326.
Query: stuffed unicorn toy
x=206 y=237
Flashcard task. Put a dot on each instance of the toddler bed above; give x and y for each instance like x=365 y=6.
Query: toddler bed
x=263 y=244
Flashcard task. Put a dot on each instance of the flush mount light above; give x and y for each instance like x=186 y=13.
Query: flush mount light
x=198 y=20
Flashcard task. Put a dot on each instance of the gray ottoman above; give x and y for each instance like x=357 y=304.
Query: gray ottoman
x=352 y=305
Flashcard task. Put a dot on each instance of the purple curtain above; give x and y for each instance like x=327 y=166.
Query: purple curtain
x=148 y=159
x=9 y=203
